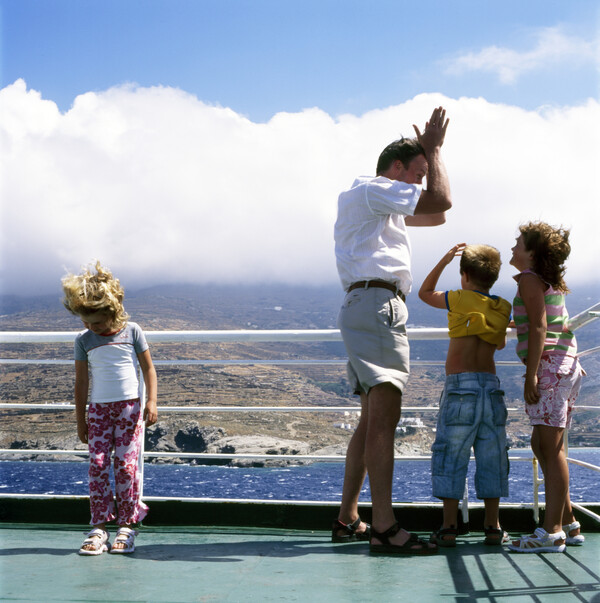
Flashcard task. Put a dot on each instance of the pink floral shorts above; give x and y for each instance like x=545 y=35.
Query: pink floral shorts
x=559 y=380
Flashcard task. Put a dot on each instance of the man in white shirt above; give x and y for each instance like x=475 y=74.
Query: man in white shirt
x=373 y=258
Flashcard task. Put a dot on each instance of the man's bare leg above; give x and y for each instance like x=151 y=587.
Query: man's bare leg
x=355 y=470
x=385 y=402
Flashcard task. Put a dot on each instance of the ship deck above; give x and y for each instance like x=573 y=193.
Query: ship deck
x=217 y=550
x=39 y=562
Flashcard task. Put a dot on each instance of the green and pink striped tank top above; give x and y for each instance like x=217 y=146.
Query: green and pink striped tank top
x=559 y=339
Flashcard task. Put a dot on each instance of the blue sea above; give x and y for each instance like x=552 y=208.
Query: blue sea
x=318 y=481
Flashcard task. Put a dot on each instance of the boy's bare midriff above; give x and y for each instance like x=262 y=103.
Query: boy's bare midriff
x=470 y=354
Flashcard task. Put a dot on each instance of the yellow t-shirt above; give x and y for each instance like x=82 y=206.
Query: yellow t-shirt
x=474 y=313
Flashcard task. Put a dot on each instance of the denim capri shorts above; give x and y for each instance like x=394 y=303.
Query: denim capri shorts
x=472 y=415
x=373 y=326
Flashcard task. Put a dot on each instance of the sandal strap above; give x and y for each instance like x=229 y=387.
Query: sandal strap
x=541 y=538
x=96 y=533
x=384 y=537
x=349 y=527
x=96 y=541
x=125 y=534
x=354 y=525
x=447 y=532
x=571 y=526
x=541 y=533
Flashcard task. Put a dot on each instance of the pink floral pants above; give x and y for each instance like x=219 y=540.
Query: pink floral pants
x=118 y=426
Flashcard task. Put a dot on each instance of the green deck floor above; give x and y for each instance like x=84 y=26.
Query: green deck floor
x=40 y=563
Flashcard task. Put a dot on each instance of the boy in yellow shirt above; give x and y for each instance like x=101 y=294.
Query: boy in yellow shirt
x=472 y=409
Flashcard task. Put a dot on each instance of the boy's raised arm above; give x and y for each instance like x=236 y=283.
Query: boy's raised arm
x=427 y=292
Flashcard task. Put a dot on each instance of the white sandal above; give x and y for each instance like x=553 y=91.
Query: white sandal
x=98 y=539
x=125 y=536
x=540 y=542
x=573 y=540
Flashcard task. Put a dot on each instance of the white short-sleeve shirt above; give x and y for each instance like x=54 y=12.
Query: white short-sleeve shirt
x=371 y=240
x=112 y=360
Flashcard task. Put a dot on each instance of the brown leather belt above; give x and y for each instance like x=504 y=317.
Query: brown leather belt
x=379 y=285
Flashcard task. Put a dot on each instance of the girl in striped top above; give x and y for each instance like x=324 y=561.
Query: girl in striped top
x=553 y=376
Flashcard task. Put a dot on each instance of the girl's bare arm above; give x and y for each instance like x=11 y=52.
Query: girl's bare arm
x=81 y=395
x=532 y=290
x=149 y=372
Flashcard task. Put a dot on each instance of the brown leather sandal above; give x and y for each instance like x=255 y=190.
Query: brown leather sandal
x=413 y=546
x=350 y=534
x=438 y=537
x=495 y=536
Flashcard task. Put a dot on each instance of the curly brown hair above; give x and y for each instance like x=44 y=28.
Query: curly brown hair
x=89 y=293
x=550 y=249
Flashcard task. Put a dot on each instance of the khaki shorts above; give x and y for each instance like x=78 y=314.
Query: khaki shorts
x=373 y=326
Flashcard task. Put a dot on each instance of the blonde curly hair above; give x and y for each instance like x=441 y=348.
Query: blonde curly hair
x=90 y=293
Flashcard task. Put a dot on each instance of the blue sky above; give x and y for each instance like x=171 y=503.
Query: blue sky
x=207 y=140
x=260 y=57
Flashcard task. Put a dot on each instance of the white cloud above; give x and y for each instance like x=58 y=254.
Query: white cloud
x=164 y=188
x=552 y=47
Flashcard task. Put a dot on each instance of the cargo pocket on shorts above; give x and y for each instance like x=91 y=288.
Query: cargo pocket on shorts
x=498 y=407
x=438 y=459
x=460 y=408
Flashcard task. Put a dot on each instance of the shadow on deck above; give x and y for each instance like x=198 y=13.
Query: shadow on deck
x=180 y=564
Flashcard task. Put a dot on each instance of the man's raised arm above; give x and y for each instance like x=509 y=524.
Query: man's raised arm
x=435 y=199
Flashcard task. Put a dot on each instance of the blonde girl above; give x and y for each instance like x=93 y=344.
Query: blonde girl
x=110 y=348
x=553 y=376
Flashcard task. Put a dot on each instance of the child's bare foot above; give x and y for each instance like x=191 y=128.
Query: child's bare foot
x=124 y=542
x=95 y=543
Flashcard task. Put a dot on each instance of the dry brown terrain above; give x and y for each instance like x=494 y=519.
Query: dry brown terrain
x=246 y=385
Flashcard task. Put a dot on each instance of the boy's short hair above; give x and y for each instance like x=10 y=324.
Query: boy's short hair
x=405 y=149
x=482 y=264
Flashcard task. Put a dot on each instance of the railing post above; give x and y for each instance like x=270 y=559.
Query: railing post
x=142 y=391
x=536 y=488
x=464 y=505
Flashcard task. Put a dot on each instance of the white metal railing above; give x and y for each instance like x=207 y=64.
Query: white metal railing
x=234 y=336
x=297 y=336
